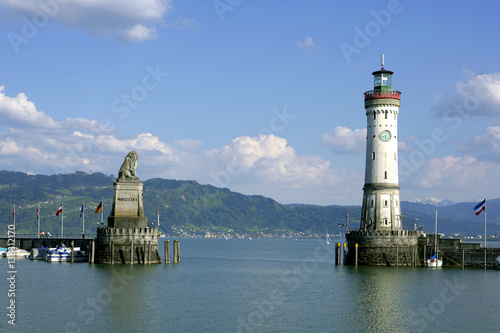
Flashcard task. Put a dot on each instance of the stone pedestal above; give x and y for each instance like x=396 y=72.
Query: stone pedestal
x=127 y=239
x=128 y=209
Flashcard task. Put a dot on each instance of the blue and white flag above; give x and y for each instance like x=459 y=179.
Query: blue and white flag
x=81 y=211
x=480 y=207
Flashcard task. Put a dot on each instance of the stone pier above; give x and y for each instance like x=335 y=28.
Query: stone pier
x=128 y=239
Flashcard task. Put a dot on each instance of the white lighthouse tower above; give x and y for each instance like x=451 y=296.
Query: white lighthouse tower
x=381 y=207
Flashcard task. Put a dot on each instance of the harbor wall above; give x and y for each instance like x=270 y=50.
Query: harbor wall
x=127 y=246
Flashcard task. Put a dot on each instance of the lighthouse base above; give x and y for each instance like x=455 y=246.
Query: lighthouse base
x=383 y=248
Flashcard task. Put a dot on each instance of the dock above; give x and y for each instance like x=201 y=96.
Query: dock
x=28 y=242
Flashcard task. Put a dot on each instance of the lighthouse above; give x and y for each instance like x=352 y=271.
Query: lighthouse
x=381 y=239
x=381 y=207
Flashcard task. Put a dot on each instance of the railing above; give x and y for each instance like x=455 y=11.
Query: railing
x=51 y=236
x=372 y=94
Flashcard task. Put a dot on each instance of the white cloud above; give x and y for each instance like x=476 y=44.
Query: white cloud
x=402 y=146
x=307 y=44
x=455 y=178
x=128 y=19
x=189 y=144
x=345 y=140
x=265 y=165
x=478 y=97
x=486 y=144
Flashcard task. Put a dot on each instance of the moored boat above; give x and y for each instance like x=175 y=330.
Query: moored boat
x=15 y=253
x=434 y=262
x=59 y=254
x=39 y=253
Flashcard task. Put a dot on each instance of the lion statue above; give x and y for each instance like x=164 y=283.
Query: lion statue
x=128 y=167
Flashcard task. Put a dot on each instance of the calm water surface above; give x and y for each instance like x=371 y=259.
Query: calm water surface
x=255 y=285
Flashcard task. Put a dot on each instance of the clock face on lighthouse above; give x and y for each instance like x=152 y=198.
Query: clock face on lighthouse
x=385 y=135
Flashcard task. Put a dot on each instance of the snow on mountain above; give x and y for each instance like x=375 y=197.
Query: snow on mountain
x=433 y=201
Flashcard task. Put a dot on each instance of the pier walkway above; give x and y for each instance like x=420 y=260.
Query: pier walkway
x=30 y=241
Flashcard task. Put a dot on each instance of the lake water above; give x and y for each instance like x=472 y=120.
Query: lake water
x=241 y=285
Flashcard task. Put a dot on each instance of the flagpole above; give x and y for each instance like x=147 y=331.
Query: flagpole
x=38 y=218
x=485 y=210
x=14 y=216
x=102 y=214
x=83 y=219
x=62 y=223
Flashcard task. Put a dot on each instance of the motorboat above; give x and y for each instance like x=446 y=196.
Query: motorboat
x=79 y=256
x=39 y=253
x=63 y=254
x=16 y=253
x=59 y=254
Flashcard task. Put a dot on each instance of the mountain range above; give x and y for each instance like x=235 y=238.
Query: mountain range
x=187 y=207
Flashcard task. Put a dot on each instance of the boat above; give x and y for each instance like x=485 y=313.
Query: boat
x=63 y=254
x=497 y=262
x=327 y=237
x=80 y=256
x=434 y=261
x=59 y=254
x=16 y=253
x=39 y=253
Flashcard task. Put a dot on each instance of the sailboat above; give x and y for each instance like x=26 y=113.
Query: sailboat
x=434 y=261
x=327 y=237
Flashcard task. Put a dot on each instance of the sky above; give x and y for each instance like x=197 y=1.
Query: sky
x=261 y=97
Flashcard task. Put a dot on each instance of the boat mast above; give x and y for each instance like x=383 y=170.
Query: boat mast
x=436 y=237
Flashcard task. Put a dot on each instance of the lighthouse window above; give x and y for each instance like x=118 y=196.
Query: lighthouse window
x=371 y=203
x=385 y=221
x=374 y=115
x=385 y=175
x=385 y=203
x=373 y=155
x=385 y=114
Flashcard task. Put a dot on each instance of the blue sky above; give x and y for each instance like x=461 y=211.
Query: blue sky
x=261 y=97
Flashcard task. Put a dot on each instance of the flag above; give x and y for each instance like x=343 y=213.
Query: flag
x=81 y=211
x=480 y=207
x=38 y=212
x=59 y=210
x=99 y=208
x=14 y=213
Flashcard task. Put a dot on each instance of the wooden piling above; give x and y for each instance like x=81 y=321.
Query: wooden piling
x=345 y=252
x=425 y=253
x=337 y=253
x=167 y=251
x=92 y=250
x=148 y=258
x=72 y=251
x=397 y=255
x=177 y=256
x=356 y=256
x=111 y=251
x=132 y=252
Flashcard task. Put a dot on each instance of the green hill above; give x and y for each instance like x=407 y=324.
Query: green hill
x=189 y=207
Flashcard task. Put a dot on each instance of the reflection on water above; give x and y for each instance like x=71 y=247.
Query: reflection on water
x=253 y=286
